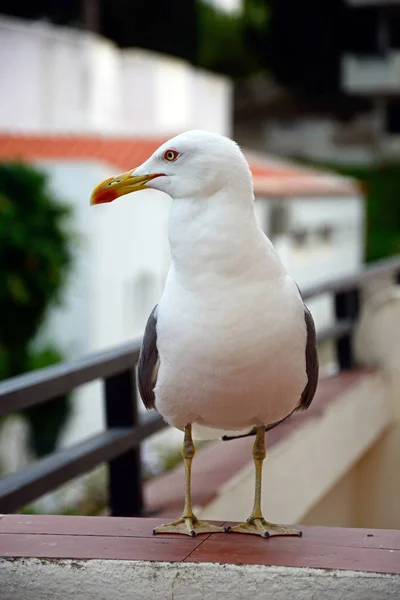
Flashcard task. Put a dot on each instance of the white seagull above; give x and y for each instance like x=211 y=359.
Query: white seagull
x=230 y=349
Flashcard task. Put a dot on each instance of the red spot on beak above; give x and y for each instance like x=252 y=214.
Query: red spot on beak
x=104 y=196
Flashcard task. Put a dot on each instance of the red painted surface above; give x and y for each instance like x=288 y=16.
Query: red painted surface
x=131 y=539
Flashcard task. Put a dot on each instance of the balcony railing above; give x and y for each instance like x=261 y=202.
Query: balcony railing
x=119 y=444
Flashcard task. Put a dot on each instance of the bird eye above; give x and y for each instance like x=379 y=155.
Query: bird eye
x=170 y=155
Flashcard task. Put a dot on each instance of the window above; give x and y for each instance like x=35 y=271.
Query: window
x=325 y=234
x=279 y=219
x=300 y=238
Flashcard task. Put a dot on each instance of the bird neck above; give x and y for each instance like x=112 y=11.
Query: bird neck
x=216 y=235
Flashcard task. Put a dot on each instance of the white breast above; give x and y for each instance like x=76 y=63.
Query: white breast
x=232 y=359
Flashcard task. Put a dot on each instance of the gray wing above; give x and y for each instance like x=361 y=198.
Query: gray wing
x=149 y=361
x=312 y=369
x=312 y=363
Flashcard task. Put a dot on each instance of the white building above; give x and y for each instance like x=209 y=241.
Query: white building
x=64 y=80
x=82 y=110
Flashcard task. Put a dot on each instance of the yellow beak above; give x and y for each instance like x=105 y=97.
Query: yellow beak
x=114 y=187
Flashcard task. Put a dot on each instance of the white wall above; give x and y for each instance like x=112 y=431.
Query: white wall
x=101 y=86
x=211 y=98
x=60 y=79
x=138 y=90
x=20 y=78
x=317 y=260
x=57 y=79
x=169 y=95
x=131 y=261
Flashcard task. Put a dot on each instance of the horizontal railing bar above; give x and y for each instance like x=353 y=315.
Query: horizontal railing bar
x=37 y=386
x=46 y=474
x=335 y=331
x=150 y=423
x=378 y=269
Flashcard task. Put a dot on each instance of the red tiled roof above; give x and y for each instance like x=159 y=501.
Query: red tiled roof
x=124 y=153
x=271 y=178
x=270 y=168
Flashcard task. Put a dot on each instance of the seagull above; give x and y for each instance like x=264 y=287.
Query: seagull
x=230 y=348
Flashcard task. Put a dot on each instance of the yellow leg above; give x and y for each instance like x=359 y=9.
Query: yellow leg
x=188 y=524
x=256 y=524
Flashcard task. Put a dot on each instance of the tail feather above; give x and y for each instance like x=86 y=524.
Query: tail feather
x=200 y=432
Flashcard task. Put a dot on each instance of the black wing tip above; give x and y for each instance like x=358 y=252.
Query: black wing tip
x=312 y=362
x=148 y=359
x=227 y=438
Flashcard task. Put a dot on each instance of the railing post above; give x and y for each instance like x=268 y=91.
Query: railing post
x=125 y=474
x=347 y=306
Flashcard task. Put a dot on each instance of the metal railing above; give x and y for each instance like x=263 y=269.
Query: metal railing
x=119 y=444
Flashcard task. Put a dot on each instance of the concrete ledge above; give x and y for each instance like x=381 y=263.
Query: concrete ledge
x=108 y=580
x=104 y=558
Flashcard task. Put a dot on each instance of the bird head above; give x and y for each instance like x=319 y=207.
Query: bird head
x=193 y=165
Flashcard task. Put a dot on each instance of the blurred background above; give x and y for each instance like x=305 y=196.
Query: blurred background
x=90 y=88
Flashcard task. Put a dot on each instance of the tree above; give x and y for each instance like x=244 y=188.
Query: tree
x=230 y=43
x=34 y=260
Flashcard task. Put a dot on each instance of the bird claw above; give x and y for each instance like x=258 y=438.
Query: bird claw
x=259 y=526
x=188 y=526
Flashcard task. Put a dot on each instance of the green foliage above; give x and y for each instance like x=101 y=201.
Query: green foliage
x=228 y=43
x=382 y=190
x=34 y=260
x=384 y=212
x=381 y=185
x=47 y=419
